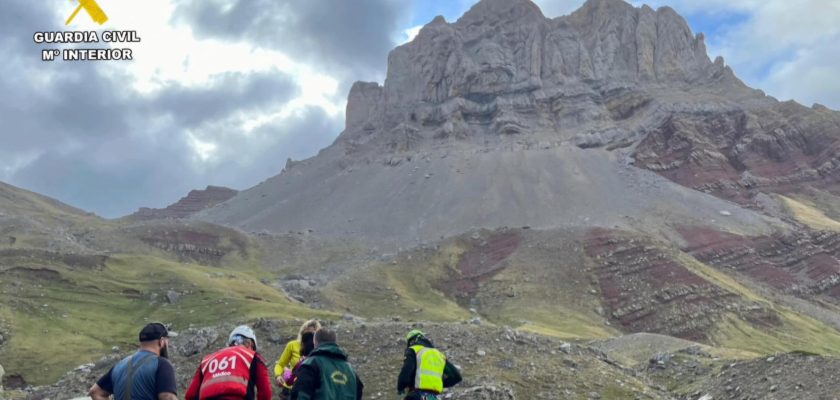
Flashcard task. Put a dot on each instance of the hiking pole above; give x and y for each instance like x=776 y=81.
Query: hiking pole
x=92 y=9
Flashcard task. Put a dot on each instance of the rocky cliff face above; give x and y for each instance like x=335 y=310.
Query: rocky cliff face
x=504 y=117
x=608 y=74
x=504 y=70
x=195 y=201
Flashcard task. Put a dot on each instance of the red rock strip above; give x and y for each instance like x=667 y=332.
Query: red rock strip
x=802 y=264
x=481 y=263
x=194 y=202
x=647 y=290
x=731 y=154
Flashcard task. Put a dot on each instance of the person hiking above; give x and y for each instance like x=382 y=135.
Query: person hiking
x=291 y=356
x=425 y=371
x=145 y=375
x=326 y=374
x=236 y=372
x=306 y=347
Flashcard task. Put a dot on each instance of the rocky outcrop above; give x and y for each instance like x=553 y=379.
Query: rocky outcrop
x=738 y=154
x=72 y=261
x=504 y=69
x=201 y=243
x=482 y=393
x=483 y=261
x=198 y=340
x=806 y=264
x=194 y=202
x=785 y=376
x=647 y=289
x=507 y=118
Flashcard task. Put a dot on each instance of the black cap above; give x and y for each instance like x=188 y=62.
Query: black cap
x=153 y=331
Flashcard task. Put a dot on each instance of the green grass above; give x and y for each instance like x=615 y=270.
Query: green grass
x=808 y=213
x=798 y=333
x=406 y=289
x=87 y=312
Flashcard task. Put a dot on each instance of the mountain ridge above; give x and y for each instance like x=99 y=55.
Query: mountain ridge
x=471 y=92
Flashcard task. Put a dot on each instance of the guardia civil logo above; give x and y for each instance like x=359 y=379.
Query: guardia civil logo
x=92 y=8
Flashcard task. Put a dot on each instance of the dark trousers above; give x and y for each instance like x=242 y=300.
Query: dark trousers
x=420 y=395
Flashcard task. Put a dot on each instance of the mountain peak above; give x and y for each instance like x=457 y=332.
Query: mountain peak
x=503 y=51
x=472 y=109
x=504 y=10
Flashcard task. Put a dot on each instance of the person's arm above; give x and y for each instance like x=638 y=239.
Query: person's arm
x=97 y=393
x=360 y=387
x=165 y=380
x=262 y=380
x=409 y=368
x=195 y=385
x=282 y=363
x=451 y=375
x=308 y=380
x=102 y=389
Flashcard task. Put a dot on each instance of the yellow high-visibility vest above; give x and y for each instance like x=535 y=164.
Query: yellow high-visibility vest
x=430 y=365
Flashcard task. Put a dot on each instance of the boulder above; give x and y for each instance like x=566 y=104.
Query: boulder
x=481 y=393
x=198 y=341
x=172 y=296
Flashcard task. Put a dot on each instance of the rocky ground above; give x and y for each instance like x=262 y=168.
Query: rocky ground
x=498 y=363
x=787 y=376
x=501 y=363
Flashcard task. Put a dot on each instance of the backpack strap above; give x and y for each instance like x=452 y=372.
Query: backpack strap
x=130 y=376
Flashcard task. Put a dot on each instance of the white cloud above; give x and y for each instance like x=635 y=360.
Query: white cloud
x=204 y=150
x=411 y=33
x=786 y=48
x=556 y=8
x=172 y=53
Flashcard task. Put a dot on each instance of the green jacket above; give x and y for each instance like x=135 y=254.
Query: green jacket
x=326 y=375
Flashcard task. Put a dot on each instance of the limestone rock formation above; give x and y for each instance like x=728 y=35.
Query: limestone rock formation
x=504 y=69
x=600 y=118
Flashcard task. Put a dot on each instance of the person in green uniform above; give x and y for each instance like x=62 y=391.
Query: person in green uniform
x=326 y=374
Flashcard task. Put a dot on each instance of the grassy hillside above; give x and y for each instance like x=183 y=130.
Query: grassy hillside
x=810 y=214
x=61 y=317
x=73 y=285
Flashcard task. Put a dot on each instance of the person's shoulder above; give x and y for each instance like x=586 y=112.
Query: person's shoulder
x=164 y=361
x=312 y=359
x=259 y=357
x=164 y=365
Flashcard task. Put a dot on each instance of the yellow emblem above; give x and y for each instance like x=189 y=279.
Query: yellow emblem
x=339 y=378
x=92 y=9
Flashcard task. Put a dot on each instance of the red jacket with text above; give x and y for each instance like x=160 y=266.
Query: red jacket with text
x=232 y=373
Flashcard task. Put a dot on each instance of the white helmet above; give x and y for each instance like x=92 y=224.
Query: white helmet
x=244 y=331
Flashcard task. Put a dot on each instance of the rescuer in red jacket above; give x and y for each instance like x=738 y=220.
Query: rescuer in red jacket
x=236 y=372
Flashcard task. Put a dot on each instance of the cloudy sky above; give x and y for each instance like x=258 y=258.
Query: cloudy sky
x=222 y=92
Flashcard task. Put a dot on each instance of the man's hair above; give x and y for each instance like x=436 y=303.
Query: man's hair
x=325 y=335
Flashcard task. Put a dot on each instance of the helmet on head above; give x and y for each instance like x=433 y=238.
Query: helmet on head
x=414 y=335
x=244 y=331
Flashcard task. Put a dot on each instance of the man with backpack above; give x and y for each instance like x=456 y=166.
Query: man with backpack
x=144 y=375
x=236 y=372
x=326 y=374
x=425 y=371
